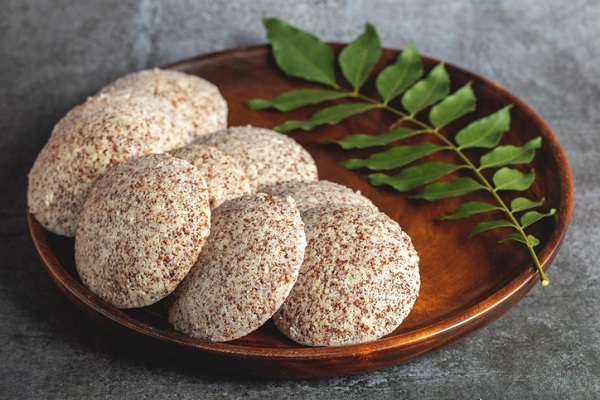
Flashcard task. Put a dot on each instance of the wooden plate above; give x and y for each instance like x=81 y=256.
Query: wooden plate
x=466 y=283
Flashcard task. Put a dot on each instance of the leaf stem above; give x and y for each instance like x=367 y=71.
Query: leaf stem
x=543 y=278
x=468 y=164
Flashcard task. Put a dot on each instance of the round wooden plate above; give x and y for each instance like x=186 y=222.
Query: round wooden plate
x=466 y=283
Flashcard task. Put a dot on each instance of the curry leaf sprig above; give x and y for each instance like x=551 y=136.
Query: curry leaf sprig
x=302 y=55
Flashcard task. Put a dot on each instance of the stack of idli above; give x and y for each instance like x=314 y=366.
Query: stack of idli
x=231 y=226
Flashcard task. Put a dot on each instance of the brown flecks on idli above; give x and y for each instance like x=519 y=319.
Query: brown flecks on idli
x=245 y=271
x=359 y=280
x=311 y=194
x=72 y=160
x=141 y=230
x=176 y=127
x=266 y=156
x=195 y=98
x=225 y=178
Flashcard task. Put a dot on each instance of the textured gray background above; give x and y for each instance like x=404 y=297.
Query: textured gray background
x=55 y=53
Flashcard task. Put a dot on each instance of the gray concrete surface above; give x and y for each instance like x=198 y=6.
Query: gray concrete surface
x=55 y=53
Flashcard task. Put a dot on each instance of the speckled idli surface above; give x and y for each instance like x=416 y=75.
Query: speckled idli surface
x=245 y=271
x=267 y=157
x=176 y=127
x=225 y=178
x=142 y=229
x=86 y=143
x=195 y=98
x=359 y=280
x=311 y=194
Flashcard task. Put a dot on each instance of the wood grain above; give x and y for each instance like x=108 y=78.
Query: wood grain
x=466 y=284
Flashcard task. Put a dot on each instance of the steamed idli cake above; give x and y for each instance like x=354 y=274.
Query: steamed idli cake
x=225 y=178
x=266 y=156
x=359 y=280
x=245 y=271
x=141 y=230
x=195 y=98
